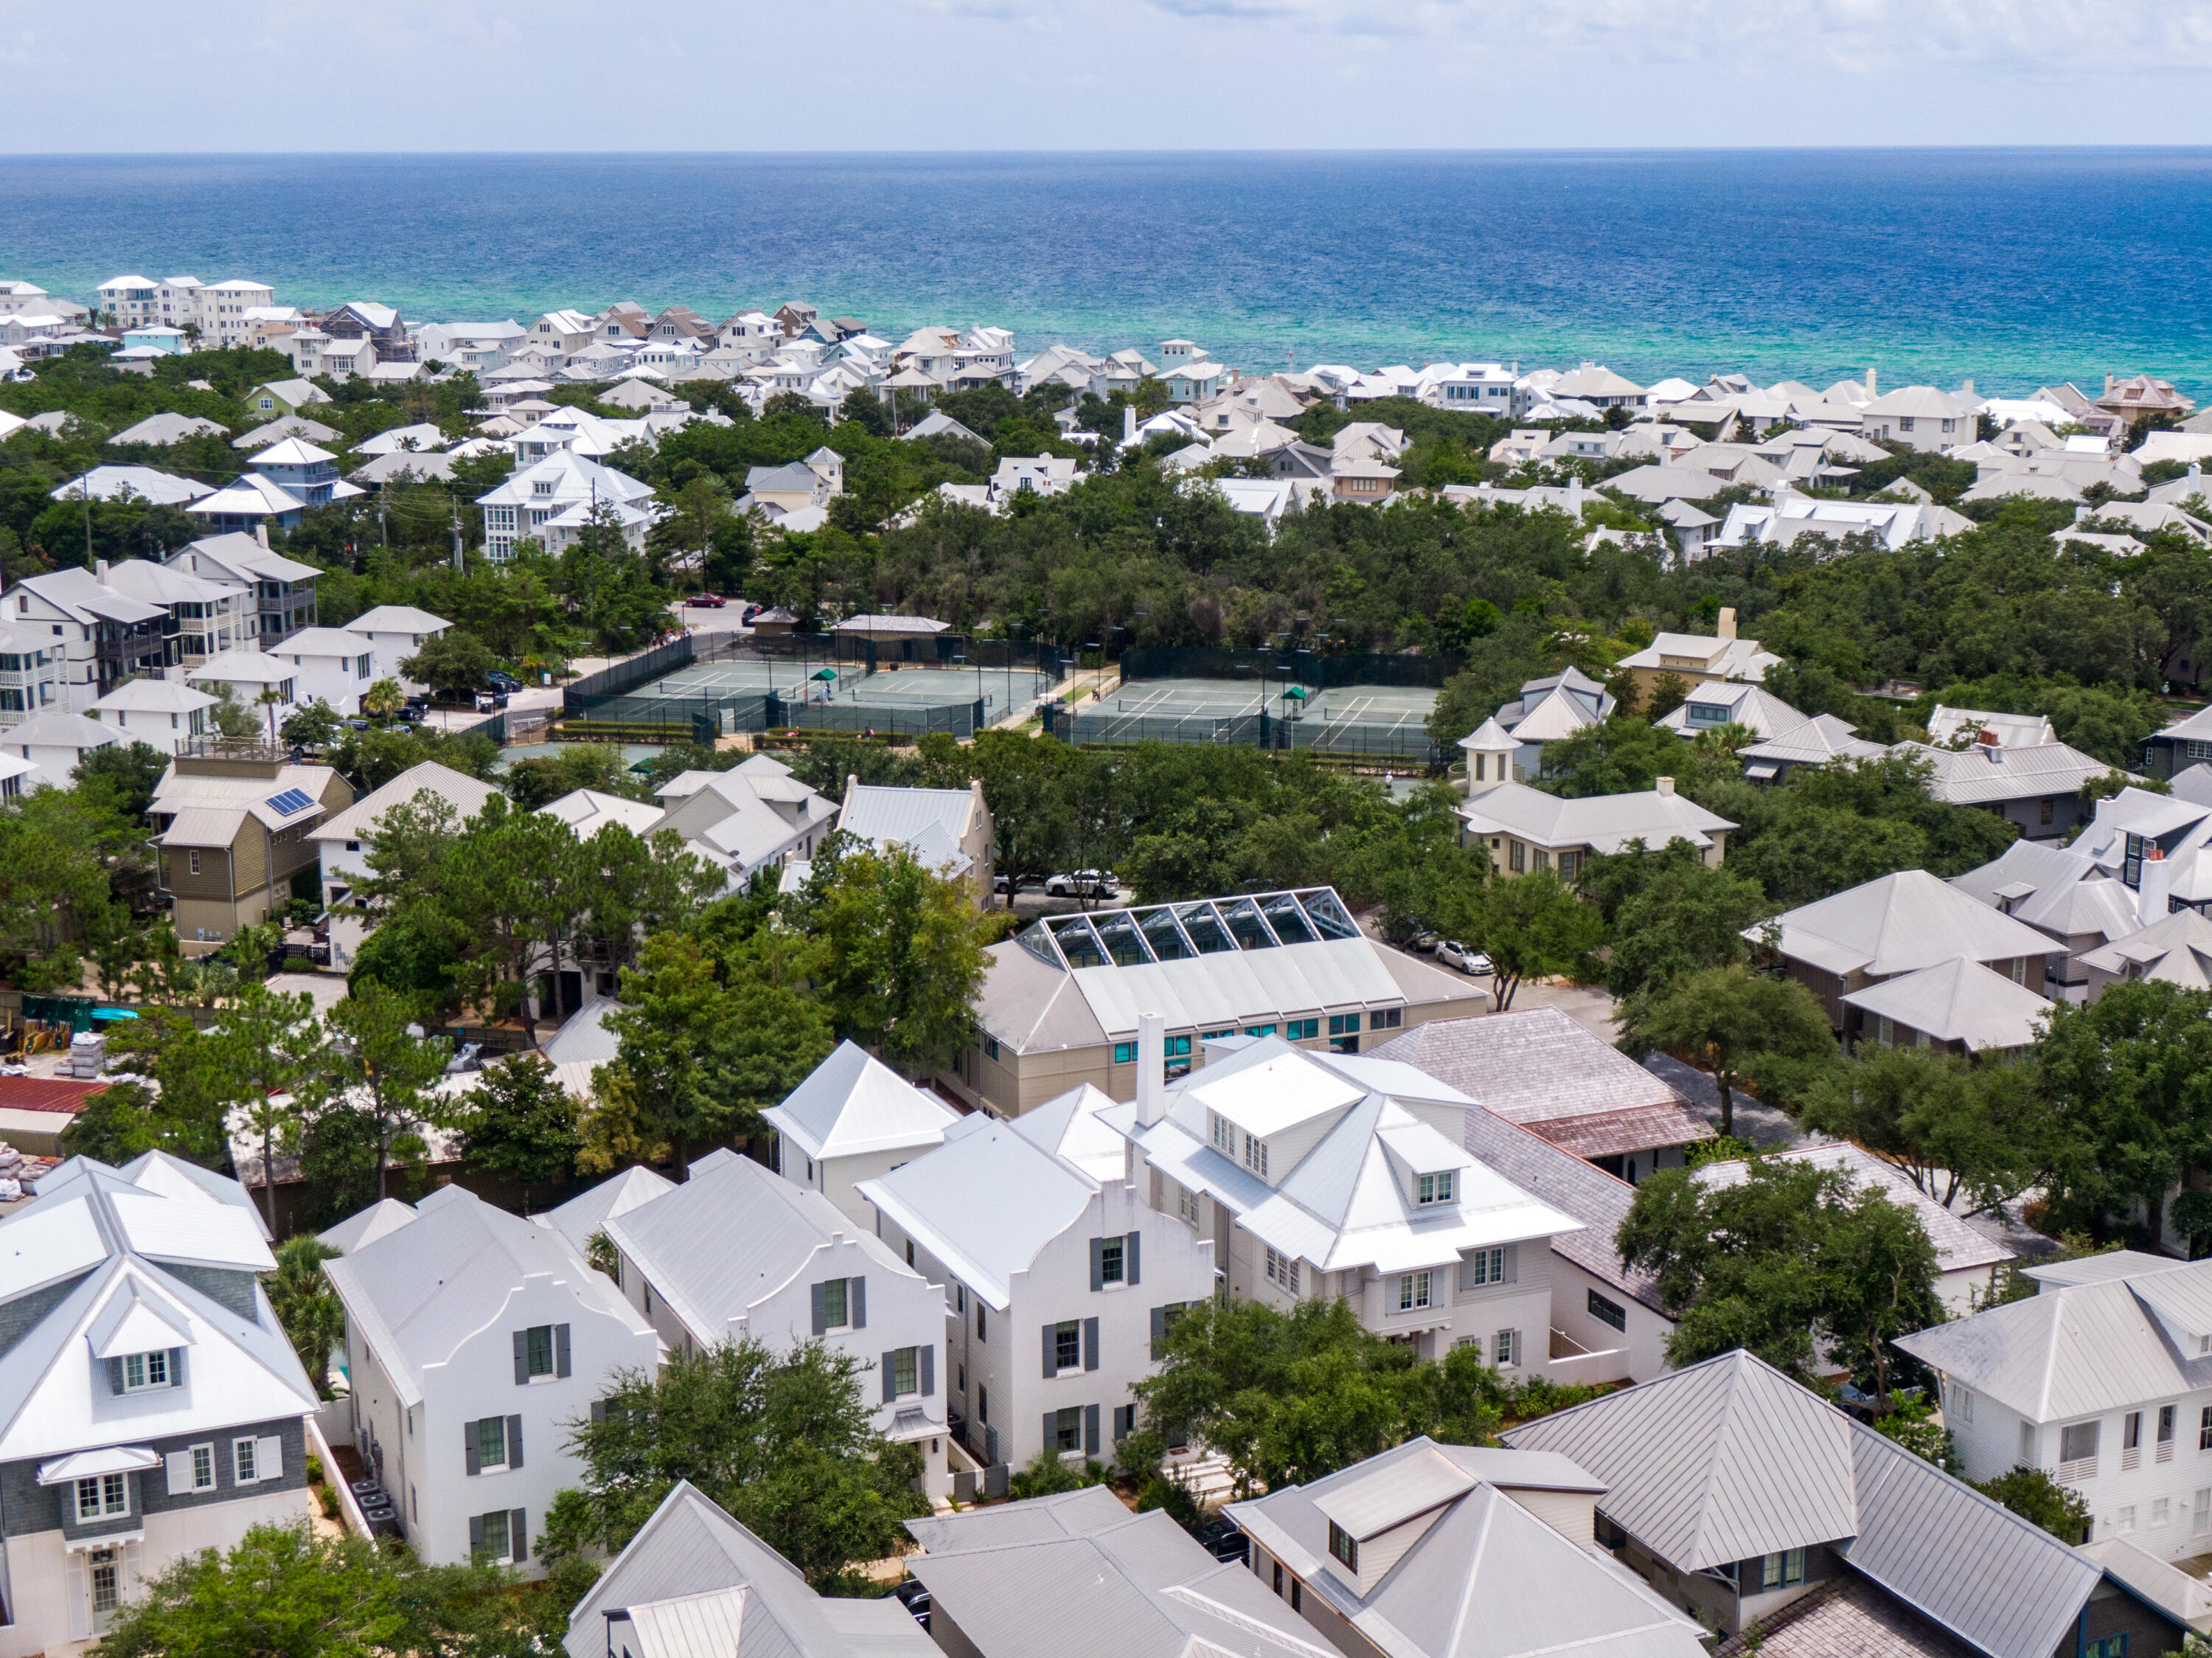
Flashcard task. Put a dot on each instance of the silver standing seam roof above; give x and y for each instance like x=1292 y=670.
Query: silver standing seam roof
x=1486 y=1578
x=1730 y=1460
x=1135 y=1587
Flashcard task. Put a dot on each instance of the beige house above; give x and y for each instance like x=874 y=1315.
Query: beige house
x=1061 y=999
x=1695 y=659
x=232 y=833
x=947 y=829
x=1524 y=829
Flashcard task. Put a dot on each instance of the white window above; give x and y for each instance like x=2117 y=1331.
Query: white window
x=2161 y=1511
x=1284 y=1271
x=1187 y=1205
x=1224 y=1137
x=1505 y=1349
x=1481 y=1266
x=1413 y=1291
x=2200 y=1518
x=203 y=1467
x=143 y=1370
x=2125 y=1520
x=1962 y=1404
x=102 y=1496
x=1435 y=1189
x=1255 y=1156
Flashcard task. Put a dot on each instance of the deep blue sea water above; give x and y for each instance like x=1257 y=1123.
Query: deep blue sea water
x=2012 y=266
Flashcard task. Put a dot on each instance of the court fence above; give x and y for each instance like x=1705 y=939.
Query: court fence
x=722 y=714
x=1306 y=667
x=1401 y=742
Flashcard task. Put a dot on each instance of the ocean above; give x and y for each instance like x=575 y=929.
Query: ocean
x=2013 y=267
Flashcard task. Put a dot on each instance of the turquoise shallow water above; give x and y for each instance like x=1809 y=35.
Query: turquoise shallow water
x=2014 y=266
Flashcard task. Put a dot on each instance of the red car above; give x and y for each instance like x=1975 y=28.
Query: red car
x=708 y=601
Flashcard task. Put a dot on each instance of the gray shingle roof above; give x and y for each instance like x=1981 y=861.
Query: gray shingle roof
x=1598 y=1200
x=1539 y=1068
x=1730 y=1459
x=1958 y=1001
x=1846 y=1617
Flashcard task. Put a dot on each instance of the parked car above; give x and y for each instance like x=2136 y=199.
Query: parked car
x=1083 y=883
x=1451 y=953
x=1221 y=1538
x=914 y=1595
x=412 y=713
x=708 y=601
x=490 y=702
x=751 y=612
x=1425 y=942
x=502 y=680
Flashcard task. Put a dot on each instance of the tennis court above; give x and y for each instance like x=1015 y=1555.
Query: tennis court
x=1387 y=722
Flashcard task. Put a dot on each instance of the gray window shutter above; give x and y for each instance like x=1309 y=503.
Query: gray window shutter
x=891 y=1386
x=1051 y=1351
x=518 y=1533
x=1098 y=1263
x=1090 y=1343
x=115 y=1365
x=1090 y=1430
x=821 y=1309
x=856 y=1302
x=560 y=1349
x=522 y=1358
x=1512 y=1263
x=514 y=1441
x=1159 y=1331
x=1129 y=1259
x=598 y=1409
x=476 y=1533
x=469 y=1442
x=925 y=1359
x=1052 y=1433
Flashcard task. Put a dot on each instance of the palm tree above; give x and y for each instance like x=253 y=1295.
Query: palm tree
x=383 y=699
x=269 y=699
x=311 y=1314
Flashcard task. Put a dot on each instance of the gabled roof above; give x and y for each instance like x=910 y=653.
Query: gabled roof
x=1346 y=1202
x=1071 y=1127
x=1604 y=823
x=1137 y=1587
x=985 y=1203
x=1987 y=773
x=1959 y=1001
x=165 y=429
x=467 y=796
x=1818 y=740
x=379 y=1219
x=587 y=811
x=731 y=1235
x=58 y=731
x=112 y=1239
x=396 y=619
x=1730 y=1460
x=1897 y=924
x=691 y=1547
x=853 y=1103
x=2174 y=950
x=589 y=1211
x=421 y=1291
x=1486 y=1578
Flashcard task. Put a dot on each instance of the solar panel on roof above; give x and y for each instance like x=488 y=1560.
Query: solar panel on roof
x=291 y=800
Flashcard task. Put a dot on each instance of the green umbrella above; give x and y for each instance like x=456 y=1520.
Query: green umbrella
x=825 y=673
x=1298 y=692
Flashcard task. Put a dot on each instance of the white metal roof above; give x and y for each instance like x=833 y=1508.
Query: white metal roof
x=853 y=1103
x=1959 y=1001
x=1897 y=924
x=1604 y=823
x=467 y=796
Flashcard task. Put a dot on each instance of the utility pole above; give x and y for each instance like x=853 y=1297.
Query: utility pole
x=457 y=562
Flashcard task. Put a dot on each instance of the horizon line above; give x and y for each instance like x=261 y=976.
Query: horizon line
x=1961 y=149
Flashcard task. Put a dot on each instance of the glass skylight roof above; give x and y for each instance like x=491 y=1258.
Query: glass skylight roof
x=1177 y=932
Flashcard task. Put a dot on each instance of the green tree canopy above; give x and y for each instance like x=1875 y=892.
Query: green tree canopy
x=519 y=1124
x=1532 y=926
x=1732 y=1022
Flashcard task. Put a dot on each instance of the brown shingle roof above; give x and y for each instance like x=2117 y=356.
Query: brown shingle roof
x=46 y=1094
x=1848 y=1618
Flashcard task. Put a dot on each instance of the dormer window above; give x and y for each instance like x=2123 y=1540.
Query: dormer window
x=1435 y=1189
x=1224 y=1137
x=1255 y=1156
x=1344 y=1548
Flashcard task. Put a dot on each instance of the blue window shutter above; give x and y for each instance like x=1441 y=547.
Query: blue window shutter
x=469 y=1454
x=177 y=1366
x=1052 y=1433
x=115 y=1376
x=598 y=1409
x=560 y=1349
x=1090 y=1430
x=476 y=1533
x=1129 y=1257
x=1051 y=1351
x=856 y=1302
x=518 y=1534
x=522 y=1358
x=1098 y=1263
x=891 y=1386
x=1090 y=1343
x=514 y=1441
x=821 y=1309
x=926 y=1359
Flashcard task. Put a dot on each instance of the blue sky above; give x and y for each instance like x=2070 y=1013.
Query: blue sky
x=714 y=75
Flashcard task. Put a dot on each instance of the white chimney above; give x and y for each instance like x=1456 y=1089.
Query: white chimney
x=1727 y=625
x=1128 y=423
x=1871 y=393
x=1666 y=785
x=1151 y=1069
x=261 y=533
x=100 y=570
